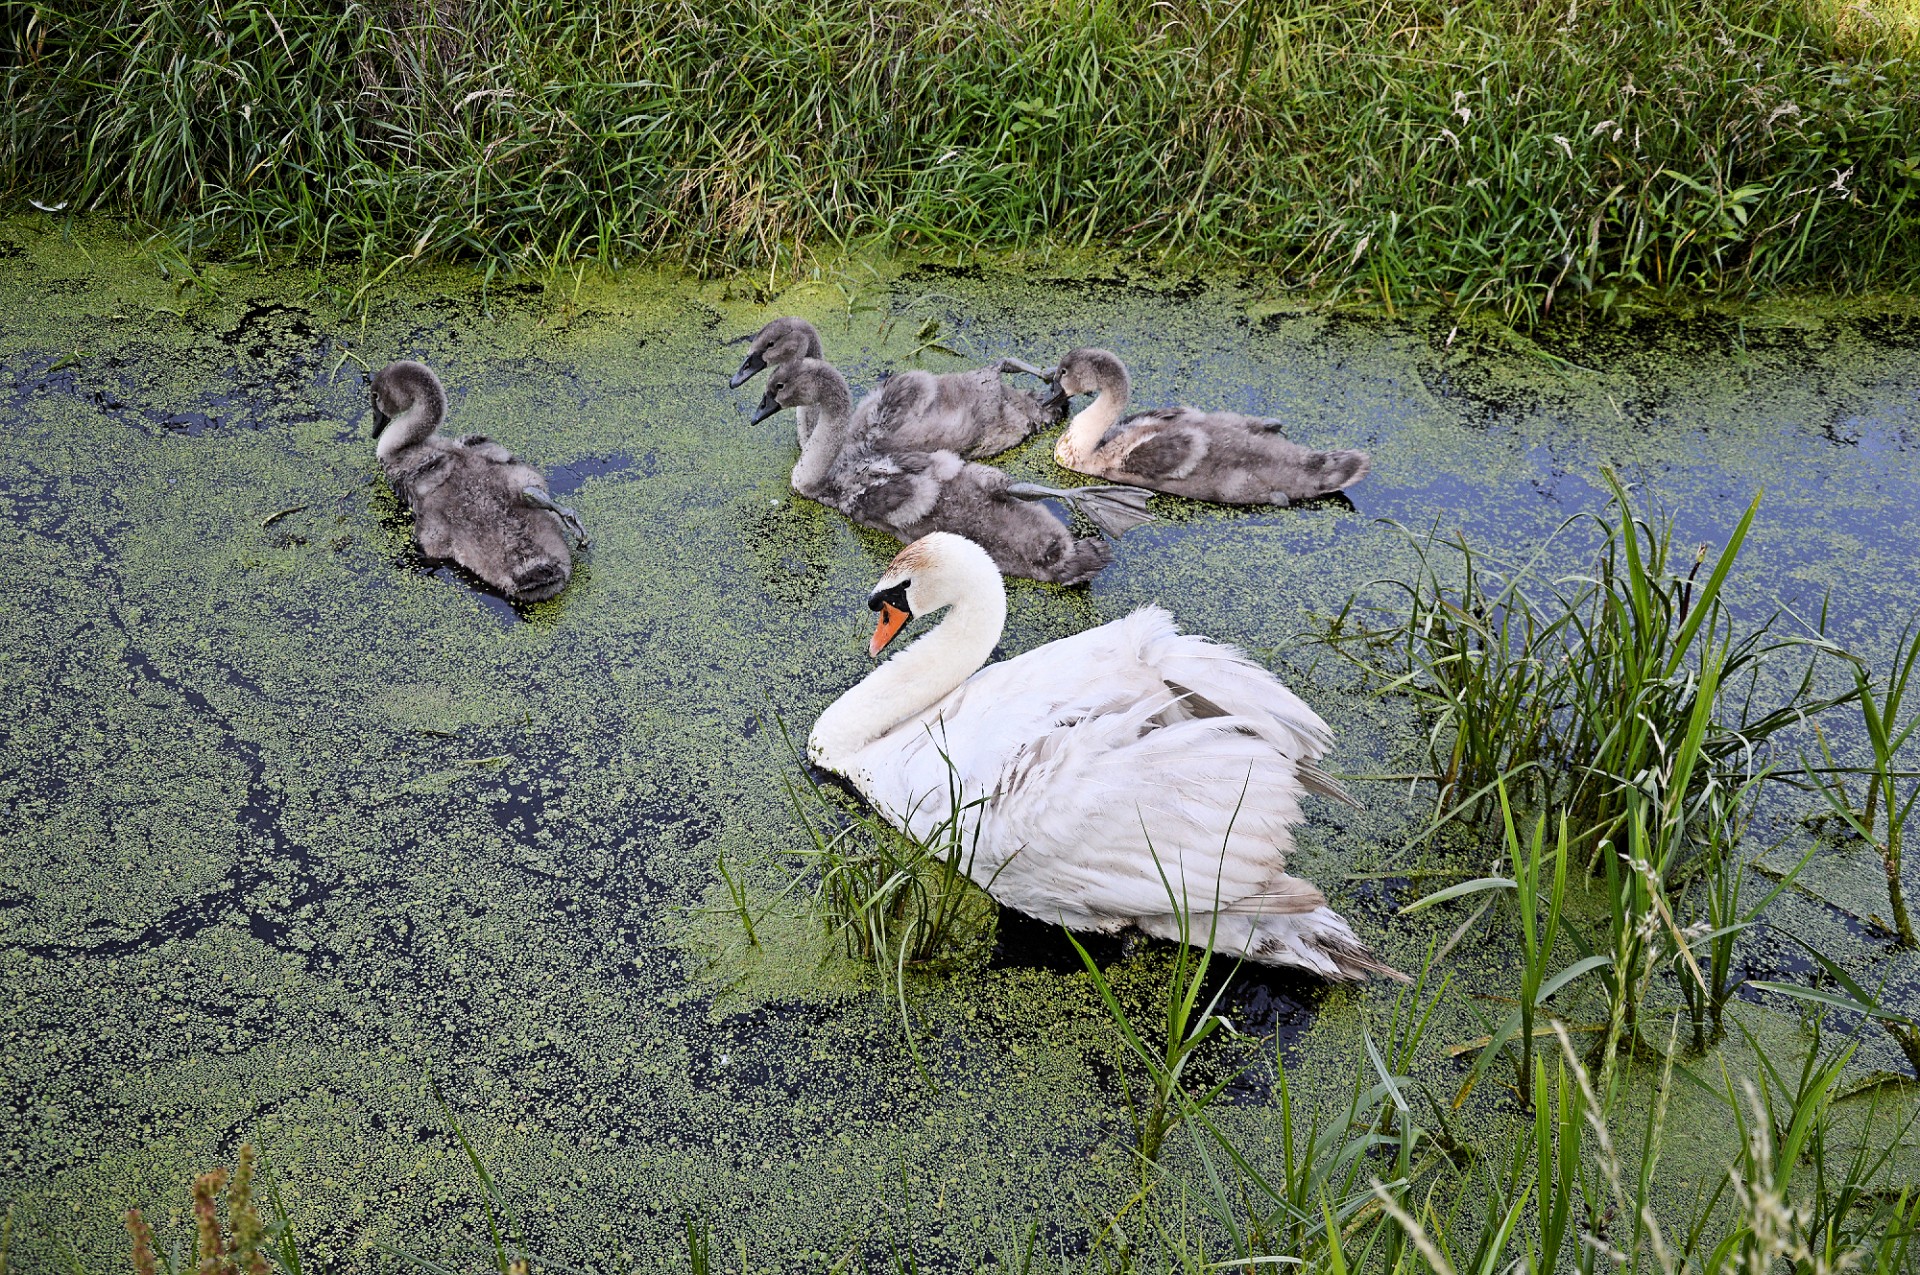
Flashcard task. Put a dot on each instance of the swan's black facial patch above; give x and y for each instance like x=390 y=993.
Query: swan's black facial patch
x=895 y=597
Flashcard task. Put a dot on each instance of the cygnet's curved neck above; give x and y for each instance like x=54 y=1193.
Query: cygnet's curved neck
x=832 y=412
x=1090 y=424
x=914 y=680
x=416 y=423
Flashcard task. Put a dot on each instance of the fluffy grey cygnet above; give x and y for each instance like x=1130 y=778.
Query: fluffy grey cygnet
x=1223 y=456
x=909 y=494
x=972 y=414
x=473 y=501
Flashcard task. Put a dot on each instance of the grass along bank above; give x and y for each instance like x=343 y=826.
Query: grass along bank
x=1509 y=156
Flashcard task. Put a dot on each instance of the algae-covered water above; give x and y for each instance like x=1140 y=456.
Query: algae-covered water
x=293 y=820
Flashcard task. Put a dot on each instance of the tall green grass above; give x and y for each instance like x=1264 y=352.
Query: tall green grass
x=1590 y=691
x=1880 y=707
x=1486 y=153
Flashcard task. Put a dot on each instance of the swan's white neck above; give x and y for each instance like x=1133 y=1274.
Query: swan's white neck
x=1077 y=444
x=914 y=680
x=406 y=429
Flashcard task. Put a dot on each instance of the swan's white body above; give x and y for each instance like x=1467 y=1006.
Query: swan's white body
x=1089 y=759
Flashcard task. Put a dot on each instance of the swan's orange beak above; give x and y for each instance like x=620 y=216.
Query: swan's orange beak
x=892 y=620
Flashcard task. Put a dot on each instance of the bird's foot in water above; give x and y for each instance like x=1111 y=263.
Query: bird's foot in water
x=539 y=499
x=1115 y=508
x=1011 y=364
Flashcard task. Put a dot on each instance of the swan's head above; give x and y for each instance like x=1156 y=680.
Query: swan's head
x=403 y=385
x=1088 y=371
x=807 y=382
x=935 y=571
x=782 y=341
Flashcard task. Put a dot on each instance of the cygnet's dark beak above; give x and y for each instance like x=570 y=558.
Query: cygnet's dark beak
x=748 y=366
x=1056 y=403
x=380 y=420
x=768 y=406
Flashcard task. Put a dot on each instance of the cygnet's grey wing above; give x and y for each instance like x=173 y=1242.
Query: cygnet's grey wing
x=895 y=493
x=895 y=418
x=476 y=517
x=1250 y=460
x=1023 y=537
x=994 y=414
x=513 y=474
x=1155 y=448
x=1225 y=456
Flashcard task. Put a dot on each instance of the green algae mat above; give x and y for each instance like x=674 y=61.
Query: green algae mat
x=298 y=827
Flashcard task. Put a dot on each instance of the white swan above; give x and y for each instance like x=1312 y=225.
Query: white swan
x=1089 y=758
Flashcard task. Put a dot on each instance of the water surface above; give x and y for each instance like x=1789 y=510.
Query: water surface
x=292 y=818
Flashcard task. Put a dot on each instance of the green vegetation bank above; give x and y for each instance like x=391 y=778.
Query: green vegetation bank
x=1490 y=153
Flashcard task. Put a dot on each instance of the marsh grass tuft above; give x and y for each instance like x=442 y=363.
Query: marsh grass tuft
x=1880 y=703
x=1571 y=693
x=897 y=899
x=1482 y=154
x=1534 y=886
x=1185 y=1026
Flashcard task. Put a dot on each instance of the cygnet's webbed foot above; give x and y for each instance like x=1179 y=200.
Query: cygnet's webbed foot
x=1115 y=508
x=539 y=499
x=1010 y=364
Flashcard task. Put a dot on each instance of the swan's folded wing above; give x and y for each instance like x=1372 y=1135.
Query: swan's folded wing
x=1163 y=455
x=1120 y=809
x=1229 y=678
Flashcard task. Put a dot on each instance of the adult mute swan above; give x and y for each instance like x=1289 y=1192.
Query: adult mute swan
x=473 y=501
x=1091 y=757
x=1223 y=456
x=971 y=414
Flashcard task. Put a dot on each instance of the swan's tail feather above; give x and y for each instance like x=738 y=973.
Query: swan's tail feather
x=1314 y=779
x=1320 y=940
x=1295 y=928
x=1115 y=508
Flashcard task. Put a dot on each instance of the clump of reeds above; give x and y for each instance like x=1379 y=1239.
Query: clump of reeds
x=1623 y=699
x=899 y=898
x=1881 y=702
x=1576 y=693
x=1484 y=154
x=1577 y=1195
x=1184 y=1027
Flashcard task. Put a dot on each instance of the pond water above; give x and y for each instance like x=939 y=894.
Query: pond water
x=293 y=819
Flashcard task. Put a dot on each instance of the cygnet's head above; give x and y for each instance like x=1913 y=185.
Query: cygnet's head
x=806 y=383
x=1088 y=371
x=402 y=385
x=781 y=341
x=935 y=571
